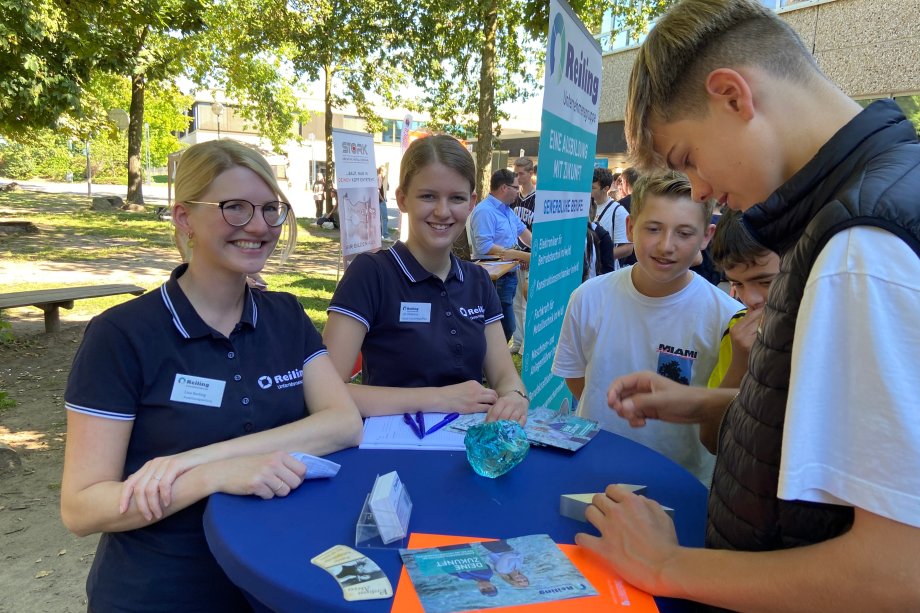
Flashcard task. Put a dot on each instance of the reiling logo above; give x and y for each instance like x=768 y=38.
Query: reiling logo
x=557 y=53
x=562 y=60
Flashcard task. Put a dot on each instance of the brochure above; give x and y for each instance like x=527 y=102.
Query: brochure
x=488 y=574
x=615 y=594
x=545 y=427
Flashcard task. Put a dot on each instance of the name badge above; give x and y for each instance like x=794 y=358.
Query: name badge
x=415 y=312
x=197 y=390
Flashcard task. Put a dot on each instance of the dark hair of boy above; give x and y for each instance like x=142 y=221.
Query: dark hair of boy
x=603 y=177
x=732 y=245
x=630 y=176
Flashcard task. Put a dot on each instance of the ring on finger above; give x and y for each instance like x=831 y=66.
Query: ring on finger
x=157 y=477
x=278 y=489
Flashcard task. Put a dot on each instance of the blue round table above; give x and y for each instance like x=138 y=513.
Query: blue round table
x=265 y=546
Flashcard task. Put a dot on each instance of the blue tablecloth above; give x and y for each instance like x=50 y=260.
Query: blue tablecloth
x=265 y=546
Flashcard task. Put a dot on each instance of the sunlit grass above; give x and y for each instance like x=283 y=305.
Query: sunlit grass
x=314 y=292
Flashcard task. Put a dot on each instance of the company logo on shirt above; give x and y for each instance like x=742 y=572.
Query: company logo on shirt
x=473 y=312
x=675 y=363
x=291 y=378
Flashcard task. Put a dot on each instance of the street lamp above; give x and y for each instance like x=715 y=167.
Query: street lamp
x=312 y=137
x=217 y=108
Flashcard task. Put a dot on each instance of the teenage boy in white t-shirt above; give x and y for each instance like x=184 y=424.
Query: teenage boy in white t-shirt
x=656 y=315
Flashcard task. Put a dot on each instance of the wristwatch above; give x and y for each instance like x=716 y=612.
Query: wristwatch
x=520 y=393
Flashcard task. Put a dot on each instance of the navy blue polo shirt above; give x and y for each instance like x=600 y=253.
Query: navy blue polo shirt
x=421 y=331
x=154 y=361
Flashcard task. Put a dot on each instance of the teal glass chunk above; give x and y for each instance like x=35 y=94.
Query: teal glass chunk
x=496 y=447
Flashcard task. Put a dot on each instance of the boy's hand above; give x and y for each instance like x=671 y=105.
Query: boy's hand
x=743 y=333
x=647 y=395
x=637 y=537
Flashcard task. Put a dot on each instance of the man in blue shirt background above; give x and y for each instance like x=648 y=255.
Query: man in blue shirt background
x=494 y=229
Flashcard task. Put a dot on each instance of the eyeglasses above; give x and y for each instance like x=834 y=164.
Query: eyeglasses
x=238 y=213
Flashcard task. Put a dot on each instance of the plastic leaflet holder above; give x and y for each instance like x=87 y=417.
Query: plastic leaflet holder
x=384 y=519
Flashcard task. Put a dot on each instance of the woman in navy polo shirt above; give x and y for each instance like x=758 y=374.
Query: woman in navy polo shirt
x=198 y=387
x=427 y=324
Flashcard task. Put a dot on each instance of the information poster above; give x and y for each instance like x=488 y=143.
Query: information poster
x=358 y=198
x=568 y=140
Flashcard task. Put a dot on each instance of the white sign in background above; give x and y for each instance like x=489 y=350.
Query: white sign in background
x=356 y=184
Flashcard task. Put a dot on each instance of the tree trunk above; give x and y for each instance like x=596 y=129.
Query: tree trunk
x=330 y=164
x=135 y=137
x=484 y=133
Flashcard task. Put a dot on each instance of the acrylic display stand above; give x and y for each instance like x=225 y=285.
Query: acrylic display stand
x=389 y=528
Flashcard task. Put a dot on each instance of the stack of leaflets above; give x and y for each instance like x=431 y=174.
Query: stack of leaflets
x=545 y=427
x=480 y=575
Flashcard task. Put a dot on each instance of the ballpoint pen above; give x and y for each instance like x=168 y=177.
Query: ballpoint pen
x=411 y=423
x=447 y=419
x=420 y=420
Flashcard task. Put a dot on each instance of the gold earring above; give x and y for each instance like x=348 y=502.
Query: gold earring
x=190 y=243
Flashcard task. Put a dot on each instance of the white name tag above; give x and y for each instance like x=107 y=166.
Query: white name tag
x=415 y=312
x=197 y=390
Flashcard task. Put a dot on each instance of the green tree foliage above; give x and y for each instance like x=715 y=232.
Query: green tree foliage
x=472 y=58
x=51 y=154
x=41 y=153
x=261 y=51
x=45 y=57
x=149 y=41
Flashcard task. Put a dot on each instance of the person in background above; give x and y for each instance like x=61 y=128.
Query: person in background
x=382 y=188
x=494 y=229
x=427 y=324
x=523 y=207
x=188 y=403
x=612 y=216
x=319 y=194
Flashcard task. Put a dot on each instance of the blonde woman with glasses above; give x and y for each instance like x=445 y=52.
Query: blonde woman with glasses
x=203 y=385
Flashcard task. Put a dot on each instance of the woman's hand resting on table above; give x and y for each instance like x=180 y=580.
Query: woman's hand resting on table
x=266 y=476
x=467 y=397
x=152 y=484
x=511 y=406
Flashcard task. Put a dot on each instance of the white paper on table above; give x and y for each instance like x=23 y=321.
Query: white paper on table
x=317 y=468
x=391 y=432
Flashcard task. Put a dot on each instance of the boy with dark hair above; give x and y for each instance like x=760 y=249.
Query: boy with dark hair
x=750 y=269
x=815 y=501
x=612 y=215
x=666 y=318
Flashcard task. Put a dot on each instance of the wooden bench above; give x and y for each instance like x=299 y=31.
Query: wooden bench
x=51 y=300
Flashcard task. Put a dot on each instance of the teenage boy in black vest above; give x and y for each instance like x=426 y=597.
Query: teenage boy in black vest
x=815 y=501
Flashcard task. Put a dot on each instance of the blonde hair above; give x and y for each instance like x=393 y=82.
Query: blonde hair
x=525 y=164
x=200 y=164
x=691 y=40
x=667 y=184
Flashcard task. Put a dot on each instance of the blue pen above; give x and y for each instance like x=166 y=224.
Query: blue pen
x=420 y=420
x=447 y=419
x=411 y=422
